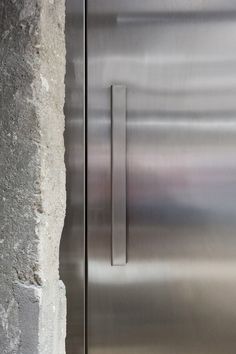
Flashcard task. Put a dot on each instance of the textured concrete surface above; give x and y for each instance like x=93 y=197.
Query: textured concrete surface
x=32 y=176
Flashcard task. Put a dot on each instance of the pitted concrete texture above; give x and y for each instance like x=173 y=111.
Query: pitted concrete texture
x=32 y=176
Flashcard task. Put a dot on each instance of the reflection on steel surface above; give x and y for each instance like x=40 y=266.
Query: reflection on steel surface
x=72 y=245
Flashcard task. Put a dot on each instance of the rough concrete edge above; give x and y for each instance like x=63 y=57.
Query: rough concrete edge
x=37 y=324
x=49 y=101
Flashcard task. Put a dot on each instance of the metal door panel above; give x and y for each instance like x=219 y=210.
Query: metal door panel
x=177 y=292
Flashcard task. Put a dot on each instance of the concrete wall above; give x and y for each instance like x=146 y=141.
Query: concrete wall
x=32 y=176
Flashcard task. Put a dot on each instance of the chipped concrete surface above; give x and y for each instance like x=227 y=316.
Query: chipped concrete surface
x=32 y=176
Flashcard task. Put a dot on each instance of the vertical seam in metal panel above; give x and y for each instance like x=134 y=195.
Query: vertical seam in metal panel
x=85 y=181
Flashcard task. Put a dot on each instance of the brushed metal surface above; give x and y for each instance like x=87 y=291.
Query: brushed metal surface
x=118 y=166
x=177 y=293
x=72 y=252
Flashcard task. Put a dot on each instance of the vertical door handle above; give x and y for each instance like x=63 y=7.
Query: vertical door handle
x=118 y=171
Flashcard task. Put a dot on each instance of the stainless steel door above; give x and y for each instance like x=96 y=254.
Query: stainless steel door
x=177 y=292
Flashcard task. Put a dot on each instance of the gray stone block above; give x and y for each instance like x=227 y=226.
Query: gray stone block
x=32 y=176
